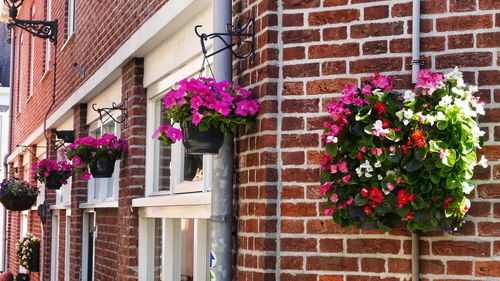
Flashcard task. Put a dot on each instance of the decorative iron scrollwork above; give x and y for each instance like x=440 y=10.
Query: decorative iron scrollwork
x=41 y=29
x=241 y=32
x=108 y=110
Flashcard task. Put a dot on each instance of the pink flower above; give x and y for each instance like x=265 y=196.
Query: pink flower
x=328 y=212
x=323 y=189
x=382 y=82
x=196 y=117
x=333 y=169
x=334 y=197
x=428 y=81
x=349 y=201
x=367 y=90
x=349 y=93
x=378 y=129
x=342 y=166
x=174 y=134
x=346 y=179
x=400 y=180
x=390 y=186
x=86 y=175
x=443 y=153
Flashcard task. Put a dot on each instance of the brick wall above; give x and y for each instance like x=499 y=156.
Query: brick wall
x=306 y=52
x=97 y=36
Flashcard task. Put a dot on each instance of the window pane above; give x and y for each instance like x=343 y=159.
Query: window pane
x=193 y=167
x=187 y=250
x=164 y=153
x=158 y=250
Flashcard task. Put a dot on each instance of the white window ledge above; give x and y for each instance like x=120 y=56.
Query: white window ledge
x=200 y=198
x=60 y=206
x=105 y=204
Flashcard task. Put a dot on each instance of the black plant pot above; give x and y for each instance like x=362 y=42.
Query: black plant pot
x=51 y=182
x=35 y=258
x=18 y=203
x=103 y=168
x=201 y=142
x=23 y=277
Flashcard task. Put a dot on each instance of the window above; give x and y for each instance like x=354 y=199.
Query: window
x=48 y=16
x=23 y=231
x=173 y=249
x=71 y=18
x=54 y=250
x=173 y=171
x=104 y=189
x=67 y=240
x=63 y=195
x=89 y=232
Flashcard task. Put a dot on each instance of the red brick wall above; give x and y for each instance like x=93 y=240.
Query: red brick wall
x=306 y=51
x=96 y=38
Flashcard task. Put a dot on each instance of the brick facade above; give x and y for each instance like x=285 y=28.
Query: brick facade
x=306 y=50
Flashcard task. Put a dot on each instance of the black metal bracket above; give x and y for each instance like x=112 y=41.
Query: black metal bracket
x=41 y=29
x=28 y=148
x=107 y=111
x=419 y=62
x=240 y=32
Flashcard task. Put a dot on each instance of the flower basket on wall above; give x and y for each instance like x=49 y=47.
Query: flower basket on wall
x=201 y=142
x=17 y=195
x=28 y=252
x=53 y=174
x=96 y=155
x=103 y=168
x=206 y=111
x=393 y=157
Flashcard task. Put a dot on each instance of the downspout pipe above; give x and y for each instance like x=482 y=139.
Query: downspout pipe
x=9 y=137
x=415 y=68
x=221 y=216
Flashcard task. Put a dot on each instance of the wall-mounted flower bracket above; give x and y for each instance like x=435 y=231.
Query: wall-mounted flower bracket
x=27 y=148
x=108 y=111
x=245 y=35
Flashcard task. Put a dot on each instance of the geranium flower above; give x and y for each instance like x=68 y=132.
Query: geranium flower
x=346 y=179
x=428 y=81
x=323 y=189
x=419 y=138
x=380 y=108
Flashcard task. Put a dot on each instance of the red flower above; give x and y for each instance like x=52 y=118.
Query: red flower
x=419 y=138
x=385 y=124
x=403 y=198
x=405 y=149
x=379 y=107
x=364 y=192
x=447 y=201
x=376 y=195
x=410 y=215
x=360 y=155
x=367 y=210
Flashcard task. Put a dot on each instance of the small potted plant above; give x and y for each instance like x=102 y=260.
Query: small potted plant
x=17 y=195
x=53 y=174
x=28 y=252
x=393 y=157
x=96 y=155
x=206 y=110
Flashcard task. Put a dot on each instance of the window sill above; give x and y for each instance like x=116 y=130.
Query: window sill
x=60 y=207
x=67 y=41
x=96 y=205
x=200 y=198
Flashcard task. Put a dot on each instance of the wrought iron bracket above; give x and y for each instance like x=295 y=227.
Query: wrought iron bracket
x=25 y=148
x=41 y=29
x=107 y=111
x=240 y=32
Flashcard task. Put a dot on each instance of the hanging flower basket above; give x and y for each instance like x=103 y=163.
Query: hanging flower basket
x=17 y=195
x=28 y=252
x=201 y=142
x=53 y=174
x=393 y=157
x=207 y=110
x=98 y=155
x=103 y=168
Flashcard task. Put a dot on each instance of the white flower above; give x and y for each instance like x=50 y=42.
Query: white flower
x=483 y=162
x=408 y=114
x=409 y=96
x=378 y=164
x=377 y=92
x=368 y=175
x=446 y=100
x=440 y=116
x=476 y=132
x=331 y=139
x=458 y=91
x=431 y=119
x=480 y=109
x=379 y=177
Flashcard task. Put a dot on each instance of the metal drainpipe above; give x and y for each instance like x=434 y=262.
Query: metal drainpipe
x=415 y=68
x=9 y=137
x=222 y=184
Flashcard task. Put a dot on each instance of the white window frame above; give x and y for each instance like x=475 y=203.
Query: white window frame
x=23 y=231
x=177 y=185
x=67 y=234
x=71 y=18
x=171 y=248
x=63 y=194
x=54 y=251
x=113 y=182
x=85 y=244
x=47 y=43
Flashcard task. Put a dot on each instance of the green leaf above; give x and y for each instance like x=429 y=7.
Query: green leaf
x=435 y=177
x=325 y=176
x=421 y=153
x=450 y=158
x=413 y=165
x=418 y=203
x=441 y=125
x=453 y=182
x=360 y=200
x=363 y=113
x=436 y=146
x=422 y=215
x=396 y=157
x=332 y=149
